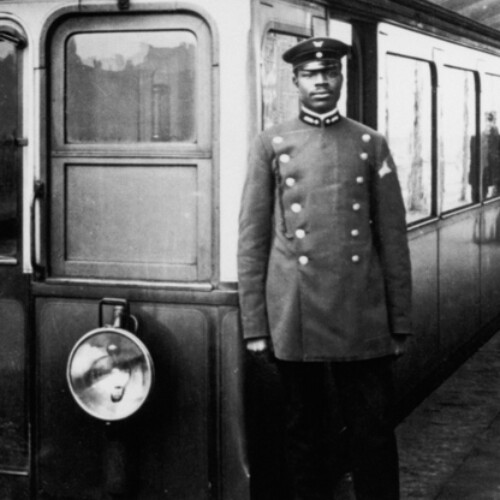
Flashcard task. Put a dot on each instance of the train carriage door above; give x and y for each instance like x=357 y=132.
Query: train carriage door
x=129 y=217
x=13 y=283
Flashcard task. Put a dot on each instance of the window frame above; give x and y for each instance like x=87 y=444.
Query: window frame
x=63 y=156
x=201 y=147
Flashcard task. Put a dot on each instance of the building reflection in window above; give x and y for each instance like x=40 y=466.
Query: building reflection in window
x=408 y=127
x=131 y=87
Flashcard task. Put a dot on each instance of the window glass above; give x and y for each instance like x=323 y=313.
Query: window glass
x=8 y=151
x=408 y=127
x=457 y=140
x=342 y=31
x=130 y=87
x=279 y=94
x=490 y=137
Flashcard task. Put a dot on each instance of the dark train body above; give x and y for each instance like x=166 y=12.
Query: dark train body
x=124 y=134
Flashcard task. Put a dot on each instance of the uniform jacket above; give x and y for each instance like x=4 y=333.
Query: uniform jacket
x=323 y=257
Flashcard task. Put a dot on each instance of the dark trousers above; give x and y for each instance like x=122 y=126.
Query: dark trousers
x=362 y=396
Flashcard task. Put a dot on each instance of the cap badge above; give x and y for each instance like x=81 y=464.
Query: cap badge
x=318 y=44
x=319 y=55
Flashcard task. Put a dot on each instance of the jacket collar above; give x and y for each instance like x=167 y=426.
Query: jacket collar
x=317 y=120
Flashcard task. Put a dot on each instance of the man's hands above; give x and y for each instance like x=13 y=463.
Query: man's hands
x=257 y=345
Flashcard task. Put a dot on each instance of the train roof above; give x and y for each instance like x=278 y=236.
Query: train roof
x=486 y=12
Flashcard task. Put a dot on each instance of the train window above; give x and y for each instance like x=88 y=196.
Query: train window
x=154 y=72
x=9 y=173
x=342 y=31
x=408 y=127
x=279 y=95
x=490 y=137
x=458 y=113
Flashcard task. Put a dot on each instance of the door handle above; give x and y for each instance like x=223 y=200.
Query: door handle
x=38 y=195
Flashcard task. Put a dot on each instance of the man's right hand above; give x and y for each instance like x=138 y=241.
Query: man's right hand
x=257 y=345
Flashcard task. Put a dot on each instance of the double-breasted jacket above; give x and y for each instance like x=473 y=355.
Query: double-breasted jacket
x=323 y=259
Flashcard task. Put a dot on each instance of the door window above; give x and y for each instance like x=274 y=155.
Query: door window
x=9 y=168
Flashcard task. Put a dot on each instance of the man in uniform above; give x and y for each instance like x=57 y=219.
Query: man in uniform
x=324 y=276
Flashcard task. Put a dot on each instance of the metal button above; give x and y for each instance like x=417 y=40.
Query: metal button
x=364 y=156
x=290 y=181
x=355 y=233
x=355 y=258
x=296 y=207
x=284 y=158
x=366 y=137
x=360 y=180
x=300 y=233
x=303 y=260
x=278 y=139
x=356 y=206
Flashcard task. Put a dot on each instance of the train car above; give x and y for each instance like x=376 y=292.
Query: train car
x=124 y=132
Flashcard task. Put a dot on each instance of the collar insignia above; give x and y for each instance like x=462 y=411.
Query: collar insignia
x=317 y=120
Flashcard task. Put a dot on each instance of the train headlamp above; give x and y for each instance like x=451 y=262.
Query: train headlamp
x=110 y=373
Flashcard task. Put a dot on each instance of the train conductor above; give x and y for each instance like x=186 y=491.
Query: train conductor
x=325 y=278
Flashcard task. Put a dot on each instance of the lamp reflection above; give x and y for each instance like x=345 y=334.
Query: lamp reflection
x=110 y=374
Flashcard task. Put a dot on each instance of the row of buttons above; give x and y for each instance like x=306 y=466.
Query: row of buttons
x=297 y=207
x=356 y=206
x=304 y=259
x=284 y=158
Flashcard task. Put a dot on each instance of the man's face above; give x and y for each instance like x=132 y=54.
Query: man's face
x=319 y=89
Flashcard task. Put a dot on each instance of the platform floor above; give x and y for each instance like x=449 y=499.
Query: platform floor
x=449 y=445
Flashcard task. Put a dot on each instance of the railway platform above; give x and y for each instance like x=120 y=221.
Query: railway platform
x=449 y=445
